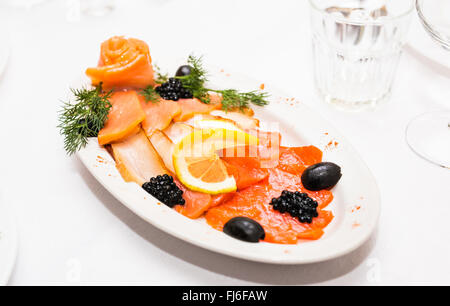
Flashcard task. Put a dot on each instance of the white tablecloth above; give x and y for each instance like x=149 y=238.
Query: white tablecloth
x=72 y=231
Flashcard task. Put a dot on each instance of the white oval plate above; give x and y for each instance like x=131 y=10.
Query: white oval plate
x=8 y=243
x=356 y=204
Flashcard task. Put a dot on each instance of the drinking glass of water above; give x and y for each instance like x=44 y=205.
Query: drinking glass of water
x=356 y=47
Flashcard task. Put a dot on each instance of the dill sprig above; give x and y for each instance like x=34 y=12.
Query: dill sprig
x=196 y=80
x=160 y=77
x=231 y=98
x=84 y=118
x=150 y=95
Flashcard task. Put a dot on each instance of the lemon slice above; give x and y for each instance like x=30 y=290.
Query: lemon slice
x=197 y=164
x=225 y=138
x=216 y=124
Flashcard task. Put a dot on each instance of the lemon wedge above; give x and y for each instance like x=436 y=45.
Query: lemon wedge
x=198 y=166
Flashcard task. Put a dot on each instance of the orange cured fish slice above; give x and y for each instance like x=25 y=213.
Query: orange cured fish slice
x=280 y=180
x=323 y=197
x=290 y=162
x=245 y=170
x=263 y=156
x=279 y=228
x=137 y=160
x=308 y=155
x=196 y=203
x=191 y=107
x=124 y=117
x=253 y=202
x=296 y=159
x=219 y=199
x=123 y=63
x=266 y=138
x=158 y=115
x=324 y=218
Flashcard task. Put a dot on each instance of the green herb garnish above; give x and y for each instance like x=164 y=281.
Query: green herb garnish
x=85 y=118
x=160 y=77
x=196 y=80
x=231 y=98
x=150 y=95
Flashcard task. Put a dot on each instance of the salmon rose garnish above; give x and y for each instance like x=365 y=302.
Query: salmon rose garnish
x=123 y=63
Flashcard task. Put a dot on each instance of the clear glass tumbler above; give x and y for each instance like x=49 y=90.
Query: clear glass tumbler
x=356 y=47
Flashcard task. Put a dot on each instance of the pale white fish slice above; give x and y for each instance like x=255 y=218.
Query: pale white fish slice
x=198 y=117
x=219 y=123
x=242 y=120
x=137 y=160
x=177 y=131
x=164 y=146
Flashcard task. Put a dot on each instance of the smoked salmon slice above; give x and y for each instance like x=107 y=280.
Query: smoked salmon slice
x=123 y=63
x=124 y=117
x=296 y=159
x=136 y=159
x=253 y=202
x=196 y=203
x=245 y=170
x=191 y=107
x=266 y=138
x=308 y=155
x=158 y=115
x=221 y=198
x=280 y=180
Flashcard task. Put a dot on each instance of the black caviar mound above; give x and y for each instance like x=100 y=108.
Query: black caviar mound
x=298 y=205
x=164 y=189
x=173 y=90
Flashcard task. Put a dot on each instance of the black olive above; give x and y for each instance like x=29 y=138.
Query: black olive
x=183 y=70
x=321 y=176
x=245 y=229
